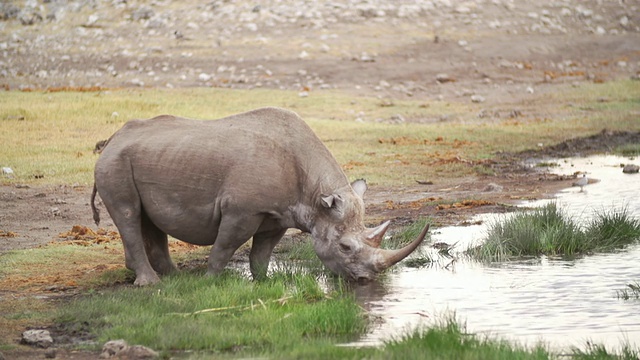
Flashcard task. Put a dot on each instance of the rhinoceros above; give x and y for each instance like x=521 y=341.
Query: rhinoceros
x=223 y=182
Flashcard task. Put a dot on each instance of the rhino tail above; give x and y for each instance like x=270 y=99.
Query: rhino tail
x=96 y=211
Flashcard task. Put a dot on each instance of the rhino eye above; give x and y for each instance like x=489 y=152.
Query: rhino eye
x=345 y=247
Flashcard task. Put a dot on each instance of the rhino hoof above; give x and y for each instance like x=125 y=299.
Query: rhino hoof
x=144 y=280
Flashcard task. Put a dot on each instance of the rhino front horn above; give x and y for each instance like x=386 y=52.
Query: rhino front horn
x=391 y=257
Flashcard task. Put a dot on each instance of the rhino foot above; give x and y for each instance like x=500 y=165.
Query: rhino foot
x=146 y=279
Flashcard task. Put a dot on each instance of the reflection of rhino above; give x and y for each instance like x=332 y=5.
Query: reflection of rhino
x=222 y=182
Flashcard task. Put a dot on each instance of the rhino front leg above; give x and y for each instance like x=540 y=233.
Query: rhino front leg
x=232 y=233
x=263 y=244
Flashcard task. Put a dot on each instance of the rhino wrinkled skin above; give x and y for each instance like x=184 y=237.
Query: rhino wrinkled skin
x=222 y=182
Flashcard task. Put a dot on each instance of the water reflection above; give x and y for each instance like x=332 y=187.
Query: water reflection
x=561 y=302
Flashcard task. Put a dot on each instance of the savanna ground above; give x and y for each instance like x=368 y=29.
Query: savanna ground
x=440 y=105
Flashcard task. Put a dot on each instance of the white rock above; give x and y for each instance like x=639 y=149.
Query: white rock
x=624 y=21
x=204 y=77
x=39 y=338
x=477 y=98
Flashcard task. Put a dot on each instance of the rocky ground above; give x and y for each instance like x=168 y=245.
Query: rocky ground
x=497 y=52
x=483 y=50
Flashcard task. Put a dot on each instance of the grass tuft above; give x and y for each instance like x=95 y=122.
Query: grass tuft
x=631 y=292
x=549 y=231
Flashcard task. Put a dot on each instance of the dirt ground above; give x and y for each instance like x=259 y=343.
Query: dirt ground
x=497 y=52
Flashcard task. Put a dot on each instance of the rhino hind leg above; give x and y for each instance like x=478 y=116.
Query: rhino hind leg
x=123 y=204
x=157 y=247
x=261 y=249
x=135 y=253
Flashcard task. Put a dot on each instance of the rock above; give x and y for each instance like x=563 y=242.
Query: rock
x=111 y=348
x=624 y=21
x=444 y=78
x=119 y=349
x=631 y=169
x=204 y=77
x=39 y=338
x=477 y=98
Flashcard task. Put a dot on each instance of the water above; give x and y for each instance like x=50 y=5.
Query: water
x=557 y=302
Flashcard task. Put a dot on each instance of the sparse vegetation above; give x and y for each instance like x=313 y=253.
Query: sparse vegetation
x=549 y=231
x=631 y=292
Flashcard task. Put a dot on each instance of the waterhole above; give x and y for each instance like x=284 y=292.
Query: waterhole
x=561 y=303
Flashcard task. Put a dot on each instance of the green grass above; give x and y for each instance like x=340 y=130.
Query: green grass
x=549 y=231
x=600 y=352
x=450 y=340
x=221 y=314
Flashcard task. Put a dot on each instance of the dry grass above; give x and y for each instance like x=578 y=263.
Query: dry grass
x=50 y=135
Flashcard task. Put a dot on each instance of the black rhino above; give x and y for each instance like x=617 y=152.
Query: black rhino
x=222 y=182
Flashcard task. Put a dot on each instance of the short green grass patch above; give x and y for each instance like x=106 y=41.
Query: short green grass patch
x=227 y=313
x=450 y=340
x=549 y=231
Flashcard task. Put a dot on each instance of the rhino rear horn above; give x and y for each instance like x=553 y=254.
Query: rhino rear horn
x=391 y=257
x=373 y=237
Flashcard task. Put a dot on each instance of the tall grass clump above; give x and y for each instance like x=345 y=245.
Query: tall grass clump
x=614 y=227
x=227 y=313
x=549 y=231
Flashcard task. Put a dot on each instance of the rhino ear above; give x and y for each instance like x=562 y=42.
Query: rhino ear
x=359 y=186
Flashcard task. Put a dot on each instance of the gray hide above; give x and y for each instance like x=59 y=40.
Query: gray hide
x=221 y=182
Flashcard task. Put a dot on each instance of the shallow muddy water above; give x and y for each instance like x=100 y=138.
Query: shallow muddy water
x=562 y=303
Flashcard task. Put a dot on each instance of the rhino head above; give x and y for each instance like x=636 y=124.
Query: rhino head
x=345 y=245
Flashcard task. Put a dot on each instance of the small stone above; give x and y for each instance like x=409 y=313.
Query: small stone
x=113 y=347
x=443 y=78
x=631 y=169
x=477 y=99
x=39 y=338
x=624 y=21
x=204 y=77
